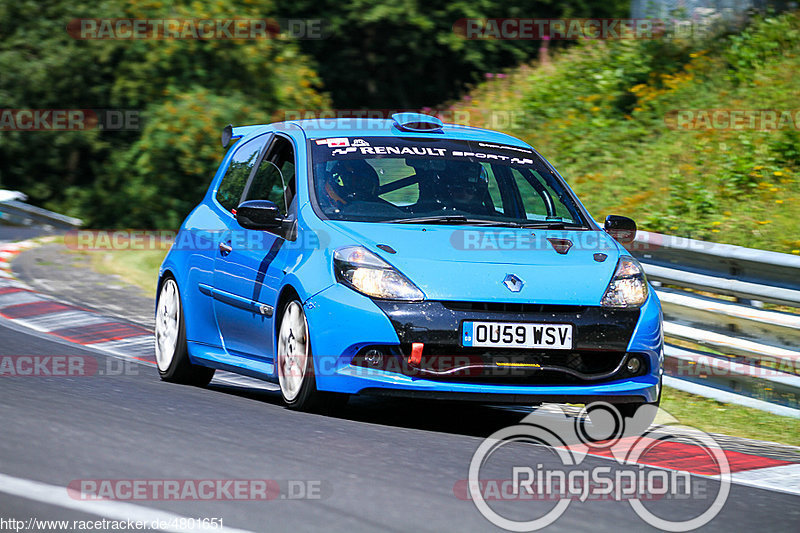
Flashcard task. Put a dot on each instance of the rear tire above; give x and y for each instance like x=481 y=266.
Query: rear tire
x=172 y=355
x=295 y=365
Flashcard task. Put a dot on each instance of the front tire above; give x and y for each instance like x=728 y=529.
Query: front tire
x=172 y=355
x=295 y=364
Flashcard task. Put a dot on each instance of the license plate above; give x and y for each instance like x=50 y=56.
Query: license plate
x=516 y=335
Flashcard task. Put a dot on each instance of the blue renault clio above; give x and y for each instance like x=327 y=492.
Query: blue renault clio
x=405 y=257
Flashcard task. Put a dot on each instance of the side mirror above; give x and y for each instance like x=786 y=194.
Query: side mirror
x=259 y=214
x=623 y=229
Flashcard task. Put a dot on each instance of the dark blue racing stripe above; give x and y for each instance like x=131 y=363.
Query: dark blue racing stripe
x=262 y=268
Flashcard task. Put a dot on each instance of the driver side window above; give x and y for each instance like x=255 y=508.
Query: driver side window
x=274 y=179
x=235 y=179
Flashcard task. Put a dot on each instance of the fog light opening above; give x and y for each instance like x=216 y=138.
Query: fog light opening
x=634 y=364
x=373 y=357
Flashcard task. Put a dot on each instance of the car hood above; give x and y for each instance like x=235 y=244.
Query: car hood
x=463 y=263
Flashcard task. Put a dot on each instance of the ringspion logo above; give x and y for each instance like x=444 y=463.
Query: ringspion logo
x=569 y=479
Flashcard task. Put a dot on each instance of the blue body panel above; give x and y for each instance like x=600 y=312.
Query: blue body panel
x=222 y=295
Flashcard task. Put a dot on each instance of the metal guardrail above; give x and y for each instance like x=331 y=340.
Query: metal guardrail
x=732 y=349
x=21 y=214
x=737 y=271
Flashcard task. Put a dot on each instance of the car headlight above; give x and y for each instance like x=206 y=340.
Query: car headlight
x=628 y=287
x=367 y=273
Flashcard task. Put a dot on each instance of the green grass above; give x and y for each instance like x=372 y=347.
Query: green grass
x=137 y=267
x=715 y=417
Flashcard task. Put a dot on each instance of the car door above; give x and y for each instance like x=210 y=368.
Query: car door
x=250 y=265
x=201 y=234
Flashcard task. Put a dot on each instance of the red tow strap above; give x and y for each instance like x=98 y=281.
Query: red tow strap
x=416 y=353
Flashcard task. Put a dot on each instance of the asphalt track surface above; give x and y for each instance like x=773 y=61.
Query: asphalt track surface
x=378 y=465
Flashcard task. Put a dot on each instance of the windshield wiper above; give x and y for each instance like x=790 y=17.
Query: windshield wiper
x=551 y=225
x=441 y=219
x=453 y=219
x=463 y=220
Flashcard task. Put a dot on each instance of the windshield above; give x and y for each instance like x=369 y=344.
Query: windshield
x=389 y=179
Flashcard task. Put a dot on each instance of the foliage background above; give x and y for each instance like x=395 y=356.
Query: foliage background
x=601 y=113
x=597 y=110
x=381 y=54
x=187 y=91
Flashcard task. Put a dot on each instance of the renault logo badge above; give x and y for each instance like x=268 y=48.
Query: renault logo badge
x=513 y=283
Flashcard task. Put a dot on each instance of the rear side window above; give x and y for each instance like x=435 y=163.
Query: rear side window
x=232 y=186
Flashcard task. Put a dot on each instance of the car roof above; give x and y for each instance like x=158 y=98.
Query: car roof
x=364 y=127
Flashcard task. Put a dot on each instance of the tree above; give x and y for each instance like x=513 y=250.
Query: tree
x=405 y=54
x=187 y=88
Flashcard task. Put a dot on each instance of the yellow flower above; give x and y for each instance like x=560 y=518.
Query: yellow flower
x=594 y=109
x=716 y=223
x=714 y=231
x=773 y=189
x=777 y=173
x=796 y=252
x=757 y=167
x=726 y=213
x=778 y=201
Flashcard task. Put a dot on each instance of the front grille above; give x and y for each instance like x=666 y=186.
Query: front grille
x=494 y=366
x=439 y=323
x=499 y=307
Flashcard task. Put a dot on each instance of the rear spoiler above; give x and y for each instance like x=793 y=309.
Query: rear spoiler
x=229 y=133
